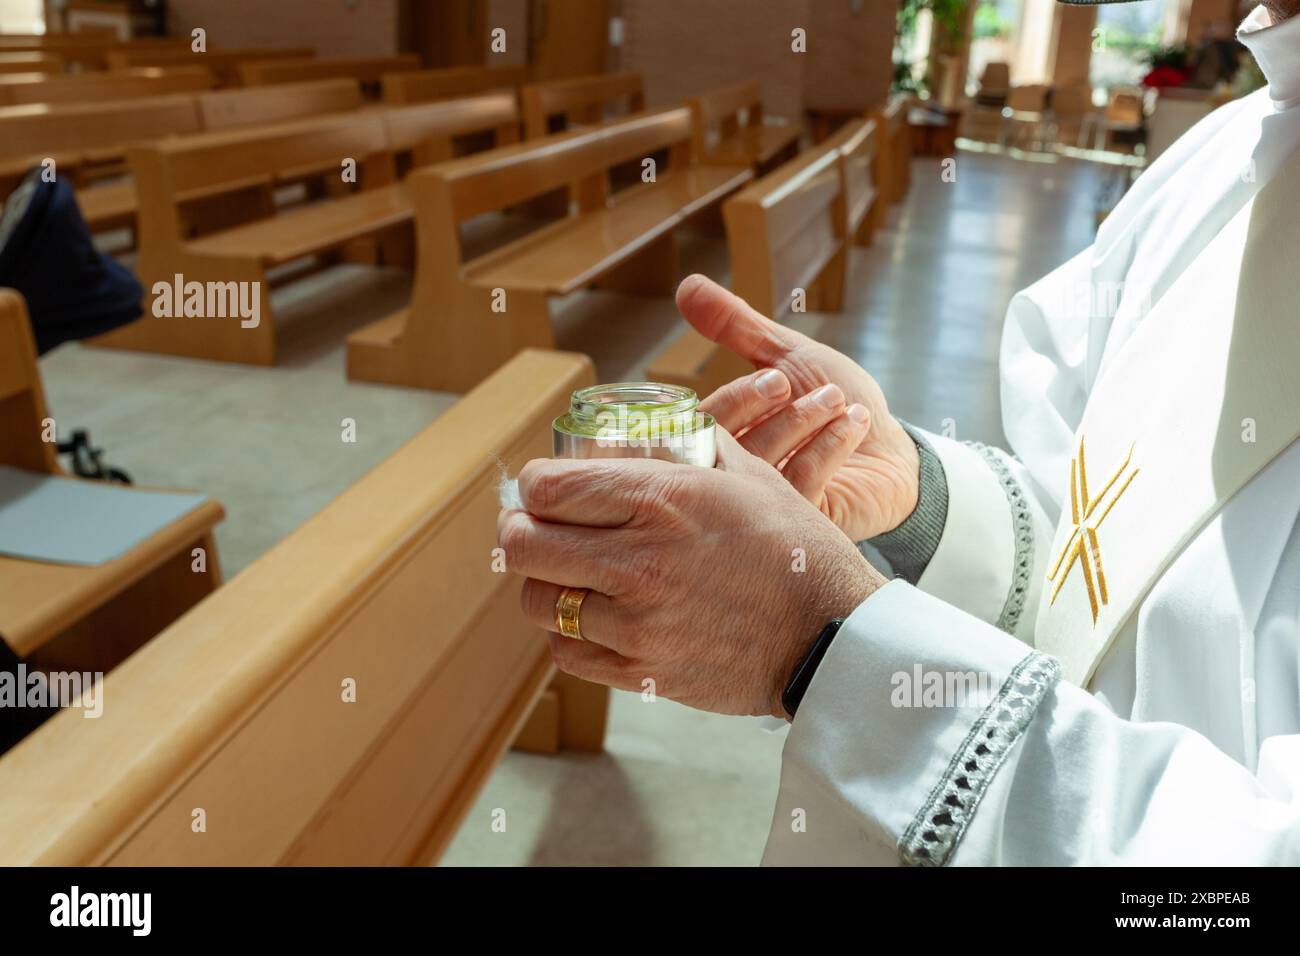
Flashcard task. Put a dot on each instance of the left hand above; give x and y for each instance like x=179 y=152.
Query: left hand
x=695 y=579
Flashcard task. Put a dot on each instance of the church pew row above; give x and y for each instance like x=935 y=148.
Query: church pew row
x=224 y=64
x=577 y=101
x=468 y=317
x=85 y=138
x=208 y=212
x=19 y=88
x=366 y=70
x=340 y=701
x=85 y=51
x=788 y=231
x=228 y=109
x=32 y=61
x=88 y=141
x=893 y=168
x=728 y=129
x=86 y=617
x=421 y=86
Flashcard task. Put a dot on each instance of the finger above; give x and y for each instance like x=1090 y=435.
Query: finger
x=600 y=620
x=746 y=401
x=727 y=319
x=734 y=457
x=783 y=433
x=597 y=493
x=811 y=468
x=572 y=554
x=592 y=662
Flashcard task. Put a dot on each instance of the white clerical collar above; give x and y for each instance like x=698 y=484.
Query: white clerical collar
x=1277 y=51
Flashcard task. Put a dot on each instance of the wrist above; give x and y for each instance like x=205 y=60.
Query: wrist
x=909 y=546
x=835 y=603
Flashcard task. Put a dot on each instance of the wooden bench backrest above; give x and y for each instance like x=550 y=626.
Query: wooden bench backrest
x=368 y=70
x=504 y=177
x=431 y=126
x=30 y=62
x=22 y=396
x=580 y=100
x=783 y=229
x=238 y=707
x=20 y=88
x=717 y=113
x=38 y=129
x=88 y=52
x=225 y=109
x=172 y=172
x=219 y=61
x=857 y=143
x=894 y=156
x=420 y=86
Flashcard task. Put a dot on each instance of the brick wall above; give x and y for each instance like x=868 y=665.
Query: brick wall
x=333 y=27
x=684 y=47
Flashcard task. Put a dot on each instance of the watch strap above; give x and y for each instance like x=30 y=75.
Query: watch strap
x=802 y=677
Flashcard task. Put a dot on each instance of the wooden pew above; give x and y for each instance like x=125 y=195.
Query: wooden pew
x=228 y=109
x=578 y=101
x=368 y=71
x=17 y=88
x=858 y=145
x=81 y=136
x=85 y=51
x=789 y=230
x=721 y=137
x=224 y=64
x=420 y=86
x=85 y=617
x=427 y=132
x=33 y=61
x=240 y=707
x=238 y=171
x=467 y=318
x=893 y=167
x=87 y=139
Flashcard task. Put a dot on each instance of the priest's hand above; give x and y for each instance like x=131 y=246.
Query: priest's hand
x=811 y=411
x=707 y=586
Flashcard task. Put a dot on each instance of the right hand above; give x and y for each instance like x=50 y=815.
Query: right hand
x=862 y=470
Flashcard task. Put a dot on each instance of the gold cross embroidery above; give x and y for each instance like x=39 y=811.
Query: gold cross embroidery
x=1082 y=545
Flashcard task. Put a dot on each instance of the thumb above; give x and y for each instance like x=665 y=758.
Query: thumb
x=724 y=317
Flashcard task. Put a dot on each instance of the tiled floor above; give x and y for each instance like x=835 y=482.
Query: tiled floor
x=675 y=786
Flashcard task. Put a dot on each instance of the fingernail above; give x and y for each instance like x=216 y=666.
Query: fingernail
x=771 y=384
x=859 y=414
x=828 y=396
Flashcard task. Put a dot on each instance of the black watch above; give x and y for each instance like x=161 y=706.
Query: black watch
x=804 y=670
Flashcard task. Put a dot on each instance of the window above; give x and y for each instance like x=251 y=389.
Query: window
x=1126 y=34
x=993 y=39
x=22 y=16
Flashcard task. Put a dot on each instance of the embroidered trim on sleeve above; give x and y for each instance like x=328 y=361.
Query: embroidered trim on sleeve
x=1022 y=522
x=939 y=825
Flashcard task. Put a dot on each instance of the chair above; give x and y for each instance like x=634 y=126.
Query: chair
x=995 y=85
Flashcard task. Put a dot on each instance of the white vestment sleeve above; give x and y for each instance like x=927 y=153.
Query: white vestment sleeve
x=1003 y=507
x=893 y=759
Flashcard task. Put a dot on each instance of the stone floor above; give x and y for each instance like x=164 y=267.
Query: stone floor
x=675 y=786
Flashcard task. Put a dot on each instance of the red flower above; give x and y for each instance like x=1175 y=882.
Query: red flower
x=1164 y=76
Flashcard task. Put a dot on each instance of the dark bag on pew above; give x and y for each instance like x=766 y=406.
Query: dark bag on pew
x=73 y=291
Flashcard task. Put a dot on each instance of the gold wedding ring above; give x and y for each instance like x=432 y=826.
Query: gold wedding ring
x=567 y=608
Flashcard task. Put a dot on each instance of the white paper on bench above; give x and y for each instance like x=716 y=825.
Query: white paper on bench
x=74 y=521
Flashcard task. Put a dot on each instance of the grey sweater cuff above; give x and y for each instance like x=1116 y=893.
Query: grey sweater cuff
x=910 y=546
